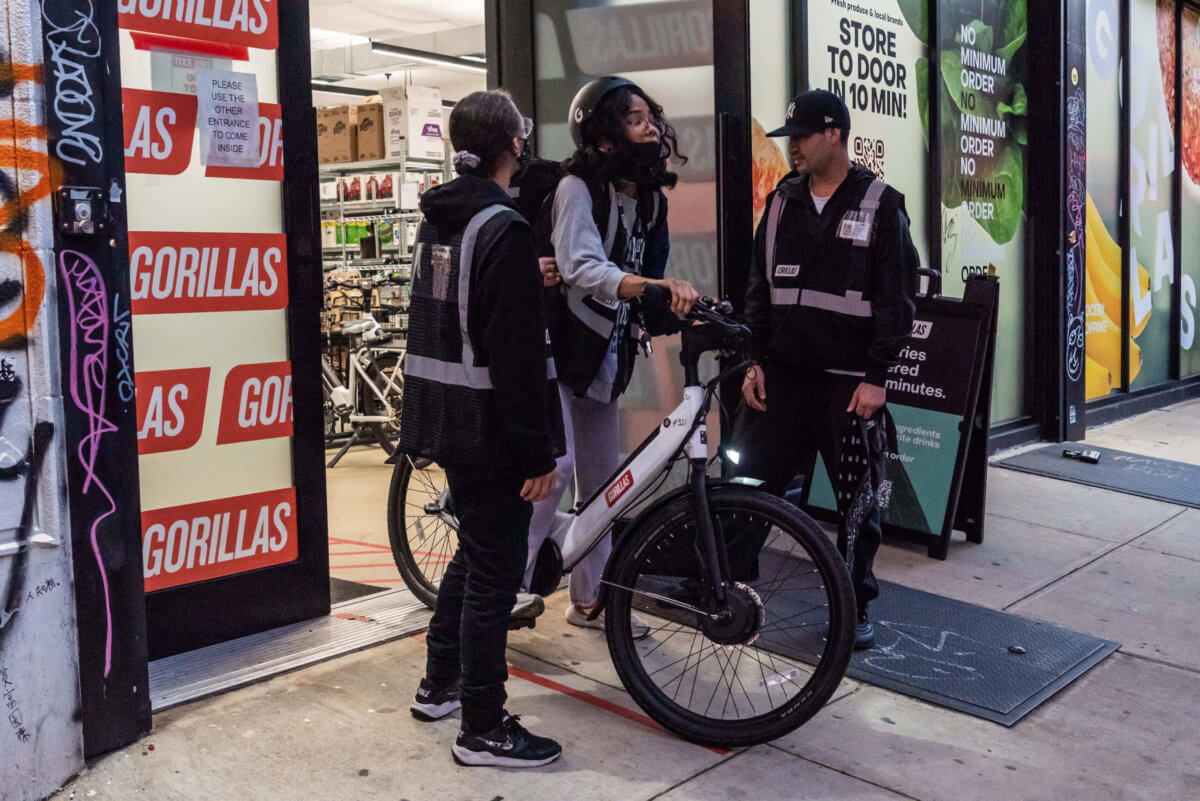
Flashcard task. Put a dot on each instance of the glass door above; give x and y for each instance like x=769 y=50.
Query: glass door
x=233 y=523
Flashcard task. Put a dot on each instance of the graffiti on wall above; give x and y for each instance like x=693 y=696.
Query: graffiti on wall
x=24 y=183
x=87 y=382
x=39 y=693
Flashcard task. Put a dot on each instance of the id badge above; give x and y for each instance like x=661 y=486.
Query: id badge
x=856 y=226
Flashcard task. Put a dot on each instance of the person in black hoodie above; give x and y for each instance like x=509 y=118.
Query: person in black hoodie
x=829 y=302
x=481 y=401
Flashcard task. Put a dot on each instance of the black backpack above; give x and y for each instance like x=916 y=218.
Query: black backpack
x=533 y=195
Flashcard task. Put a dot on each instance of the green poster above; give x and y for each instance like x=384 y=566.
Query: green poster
x=983 y=140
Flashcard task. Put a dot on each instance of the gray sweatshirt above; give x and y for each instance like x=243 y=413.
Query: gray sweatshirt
x=583 y=263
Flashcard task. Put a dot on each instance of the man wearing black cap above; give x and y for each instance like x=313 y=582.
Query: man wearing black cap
x=830 y=304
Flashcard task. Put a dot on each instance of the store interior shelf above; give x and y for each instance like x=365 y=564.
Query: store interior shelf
x=358 y=208
x=353 y=167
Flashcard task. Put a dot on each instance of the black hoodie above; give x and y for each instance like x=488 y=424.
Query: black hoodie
x=506 y=320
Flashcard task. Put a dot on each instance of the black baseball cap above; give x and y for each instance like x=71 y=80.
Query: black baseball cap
x=812 y=112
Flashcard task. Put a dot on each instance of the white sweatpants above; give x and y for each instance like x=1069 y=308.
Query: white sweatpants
x=593 y=452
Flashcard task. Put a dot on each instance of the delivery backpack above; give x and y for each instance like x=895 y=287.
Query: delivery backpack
x=533 y=195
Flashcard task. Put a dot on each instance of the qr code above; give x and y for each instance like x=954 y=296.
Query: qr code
x=870 y=153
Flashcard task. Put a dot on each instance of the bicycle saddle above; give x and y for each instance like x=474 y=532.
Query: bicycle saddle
x=358 y=326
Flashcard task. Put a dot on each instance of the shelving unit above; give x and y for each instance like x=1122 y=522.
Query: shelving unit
x=392 y=254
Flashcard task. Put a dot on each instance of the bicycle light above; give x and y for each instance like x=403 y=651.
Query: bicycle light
x=733 y=456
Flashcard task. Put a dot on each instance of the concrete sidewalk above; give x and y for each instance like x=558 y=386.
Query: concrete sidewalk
x=1108 y=564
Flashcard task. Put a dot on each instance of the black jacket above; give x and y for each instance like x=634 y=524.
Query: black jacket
x=506 y=323
x=820 y=338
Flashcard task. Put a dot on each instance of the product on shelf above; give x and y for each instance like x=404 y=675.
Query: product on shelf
x=337 y=136
x=369 y=117
x=413 y=122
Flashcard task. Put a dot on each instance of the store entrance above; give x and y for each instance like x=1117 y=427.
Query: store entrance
x=382 y=109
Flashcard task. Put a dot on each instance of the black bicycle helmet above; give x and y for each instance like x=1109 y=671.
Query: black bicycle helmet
x=586 y=100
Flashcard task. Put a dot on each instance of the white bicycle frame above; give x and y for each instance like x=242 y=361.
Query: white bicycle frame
x=358 y=372
x=578 y=531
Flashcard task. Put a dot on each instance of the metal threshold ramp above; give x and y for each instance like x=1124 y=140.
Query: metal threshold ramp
x=350 y=626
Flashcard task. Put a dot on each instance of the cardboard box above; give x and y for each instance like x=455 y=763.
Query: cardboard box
x=336 y=135
x=369 y=118
x=413 y=122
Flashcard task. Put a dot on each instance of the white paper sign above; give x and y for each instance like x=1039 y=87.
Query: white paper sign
x=176 y=72
x=227 y=118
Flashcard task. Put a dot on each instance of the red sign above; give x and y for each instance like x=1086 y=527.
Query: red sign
x=270 y=152
x=176 y=272
x=170 y=409
x=159 y=127
x=619 y=488
x=200 y=541
x=257 y=403
x=253 y=23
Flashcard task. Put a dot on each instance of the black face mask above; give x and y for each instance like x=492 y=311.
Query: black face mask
x=523 y=160
x=646 y=155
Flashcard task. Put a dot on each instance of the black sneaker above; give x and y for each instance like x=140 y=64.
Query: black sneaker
x=509 y=745
x=864 y=633
x=432 y=704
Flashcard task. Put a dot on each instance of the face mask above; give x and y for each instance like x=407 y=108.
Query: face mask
x=646 y=155
x=523 y=160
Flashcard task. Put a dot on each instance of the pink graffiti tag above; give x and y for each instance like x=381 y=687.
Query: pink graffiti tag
x=88 y=381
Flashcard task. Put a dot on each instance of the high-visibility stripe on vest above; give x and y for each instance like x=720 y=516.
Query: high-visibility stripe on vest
x=448 y=412
x=861 y=228
x=588 y=327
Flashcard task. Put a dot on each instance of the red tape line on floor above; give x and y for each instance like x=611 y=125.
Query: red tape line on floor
x=599 y=703
x=340 y=541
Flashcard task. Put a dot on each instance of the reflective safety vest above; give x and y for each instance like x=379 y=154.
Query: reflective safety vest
x=856 y=226
x=449 y=412
x=585 y=331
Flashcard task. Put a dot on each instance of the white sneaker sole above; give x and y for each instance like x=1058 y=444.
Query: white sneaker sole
x=485 y=759
x=432 y=712
x=576 y=618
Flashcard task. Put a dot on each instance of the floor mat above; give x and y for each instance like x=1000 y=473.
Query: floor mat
x=342 y=590
x=1131 y=473
x=981 y=661
x=958 y=655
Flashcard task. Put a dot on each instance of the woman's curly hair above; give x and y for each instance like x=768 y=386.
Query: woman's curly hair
x=608 y=122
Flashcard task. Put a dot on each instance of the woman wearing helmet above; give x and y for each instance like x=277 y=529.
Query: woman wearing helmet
x=610 y=241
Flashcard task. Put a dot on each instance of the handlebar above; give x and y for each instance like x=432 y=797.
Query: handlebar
x=363 y=283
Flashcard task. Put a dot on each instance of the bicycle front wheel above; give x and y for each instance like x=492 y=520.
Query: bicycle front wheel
x=766 y=666
x=422 y=528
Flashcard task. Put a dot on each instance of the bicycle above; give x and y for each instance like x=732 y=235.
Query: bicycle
x=371 y=402
x=750 y=608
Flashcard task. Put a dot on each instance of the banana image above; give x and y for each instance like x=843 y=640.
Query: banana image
x=1097 y=380
x=1104 y=347
x=1104 y=269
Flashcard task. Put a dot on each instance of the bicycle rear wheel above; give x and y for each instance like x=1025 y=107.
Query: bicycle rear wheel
x=422 y=529
x=778 y=656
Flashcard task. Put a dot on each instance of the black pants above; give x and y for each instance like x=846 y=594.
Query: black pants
x=806 y=415
x=469 y=630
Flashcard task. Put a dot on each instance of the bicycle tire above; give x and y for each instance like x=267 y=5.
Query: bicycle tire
x=646 y=549
x=403 y=513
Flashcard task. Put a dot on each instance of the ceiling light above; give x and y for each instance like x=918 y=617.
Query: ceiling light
x=330 y=86
x=425 y=57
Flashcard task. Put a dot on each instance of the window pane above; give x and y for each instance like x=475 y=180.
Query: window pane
x=666 y=48
x=983 y=144
x=1189 y=355
x=1103 y=293
x=1152 y=167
